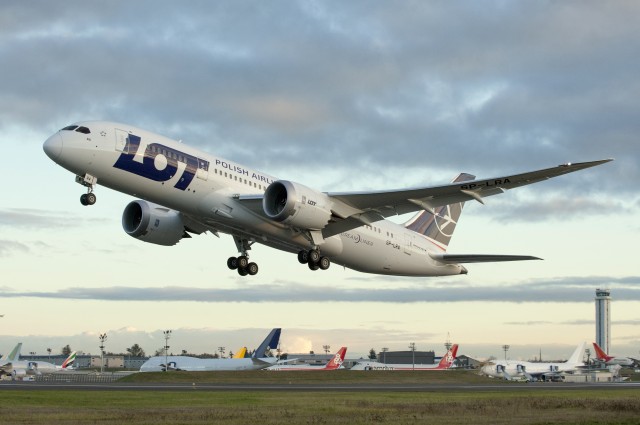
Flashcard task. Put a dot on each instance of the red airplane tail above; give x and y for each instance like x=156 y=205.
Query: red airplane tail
x=600 y=354
x=337 y=360
x=447 y=359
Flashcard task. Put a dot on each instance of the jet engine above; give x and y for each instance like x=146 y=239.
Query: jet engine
x=296 y=205
x=153 y=223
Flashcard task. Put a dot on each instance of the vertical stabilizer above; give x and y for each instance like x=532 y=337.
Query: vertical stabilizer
x=69 y=361
x=578 y=356
x=14 y=355
x=271 y=341
x=337 y=360
x=447 y=360
x=438 y=224
x=600 y=354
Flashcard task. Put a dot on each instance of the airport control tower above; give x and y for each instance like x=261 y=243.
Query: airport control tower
x=603 y=318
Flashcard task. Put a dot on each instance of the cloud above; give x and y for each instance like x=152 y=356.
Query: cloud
x=512 y=91
x=572 y=289
x=7 y=248
x=42 y=219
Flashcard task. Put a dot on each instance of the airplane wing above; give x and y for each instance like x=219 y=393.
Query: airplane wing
x=479 y=258
x=353 y=209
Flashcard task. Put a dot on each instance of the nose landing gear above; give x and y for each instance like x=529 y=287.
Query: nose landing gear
x=89 y=182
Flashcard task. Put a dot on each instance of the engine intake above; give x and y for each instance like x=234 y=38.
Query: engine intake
x=153 y=223
x=296 y=205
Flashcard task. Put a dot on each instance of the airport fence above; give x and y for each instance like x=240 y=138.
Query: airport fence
x=84 y=377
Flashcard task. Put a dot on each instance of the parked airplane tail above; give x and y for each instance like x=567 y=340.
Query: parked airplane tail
x=271 y=341
x=578 y=356
x=14 y=355
x=241 y=353
x=447 y=360
x=439 y=223
x=69 y=361
x=337 y=360
x=600 y=354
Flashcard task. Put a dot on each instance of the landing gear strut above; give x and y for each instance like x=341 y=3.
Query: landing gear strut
x=314 y=259
x=241 y=263
x=89 y=182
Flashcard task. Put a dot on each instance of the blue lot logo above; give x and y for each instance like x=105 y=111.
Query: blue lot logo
x=159 y=162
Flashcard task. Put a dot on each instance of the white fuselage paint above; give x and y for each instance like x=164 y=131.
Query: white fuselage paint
x=386 y=248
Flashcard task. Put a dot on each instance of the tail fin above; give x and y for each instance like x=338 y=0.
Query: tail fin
x=14 y=355
x=578 y=356
x=438 y=224
x=600 y=354
x=241 y=353
x=271 y=341
x=69 y=361
x=337 y=360
x=447 y=360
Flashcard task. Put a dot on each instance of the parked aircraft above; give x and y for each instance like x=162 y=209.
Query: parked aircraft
x=614 y=360
x=20 y=368
x=333 y=364
x=185 y=191
x=532 y=371
x=445 y=363
x=258 y=360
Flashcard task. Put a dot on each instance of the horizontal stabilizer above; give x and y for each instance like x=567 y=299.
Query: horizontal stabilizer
x=479 y=258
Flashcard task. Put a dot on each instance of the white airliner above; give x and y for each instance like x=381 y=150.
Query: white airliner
x=20 y=368
x=333 y=364
x=445 y=363
x=614 y=360
x=532 y=371
x=186 y=191
x=258 y=360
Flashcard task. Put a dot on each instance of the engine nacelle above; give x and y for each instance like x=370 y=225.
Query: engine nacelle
x=296 y=205
x=153 y=223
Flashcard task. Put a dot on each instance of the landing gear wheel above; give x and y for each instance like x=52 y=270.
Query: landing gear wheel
x=313 y=266
x=232 y=263
x=303 y=257
x=252 y=269
x=91 y=198
x=314 y=256
x=243 y=261
x=242 y=271
x=83 y=199
x=324 y=263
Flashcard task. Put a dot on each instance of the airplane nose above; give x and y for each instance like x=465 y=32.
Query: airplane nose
x=53 y=146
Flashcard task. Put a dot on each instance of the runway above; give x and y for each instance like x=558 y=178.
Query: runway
x=8 y=386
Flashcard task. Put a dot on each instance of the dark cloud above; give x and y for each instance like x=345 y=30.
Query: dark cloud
x=488 y=87
x=561 y=290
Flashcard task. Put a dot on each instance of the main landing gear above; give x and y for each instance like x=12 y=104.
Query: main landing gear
x=89 y=182
x=314 y=260
x=241 y=263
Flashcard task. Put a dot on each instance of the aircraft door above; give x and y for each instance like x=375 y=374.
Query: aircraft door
x=203 y=169
x=408 y=241
x=121 y=140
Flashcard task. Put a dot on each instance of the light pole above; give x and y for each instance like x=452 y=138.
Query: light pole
x=326 y=348
x=167 y=335
x=102 y=338
x=49 y=351
x=384 y=351
x=221 y=350
x=588 y=359
x=412 y=346
x=505 y=348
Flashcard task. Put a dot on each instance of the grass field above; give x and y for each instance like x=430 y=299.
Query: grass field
x=525 y=406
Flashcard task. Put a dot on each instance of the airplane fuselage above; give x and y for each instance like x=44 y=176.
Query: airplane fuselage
x=198 y=184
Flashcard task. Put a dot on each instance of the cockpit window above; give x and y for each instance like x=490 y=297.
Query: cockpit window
x=70 y=127
x=83 y=130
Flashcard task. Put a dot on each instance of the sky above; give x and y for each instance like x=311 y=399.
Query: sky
x=339 y=96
